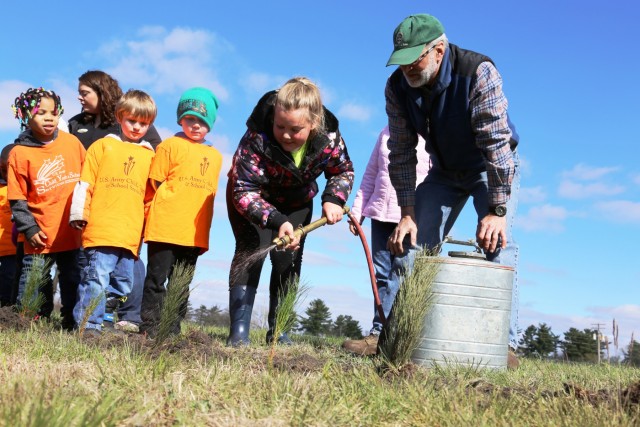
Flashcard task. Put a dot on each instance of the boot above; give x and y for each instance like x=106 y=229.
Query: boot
x=367 y=346
x=241 y=298
x=271 y=318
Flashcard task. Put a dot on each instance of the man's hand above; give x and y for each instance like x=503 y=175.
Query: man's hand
x=407 y=225
x=490 y=228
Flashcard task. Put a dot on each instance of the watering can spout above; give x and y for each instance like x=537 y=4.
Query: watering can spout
x=281 y=242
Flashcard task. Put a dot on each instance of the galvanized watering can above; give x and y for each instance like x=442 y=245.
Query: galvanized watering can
x=468 y=323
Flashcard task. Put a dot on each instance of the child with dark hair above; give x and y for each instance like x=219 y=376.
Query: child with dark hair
x=109 y=205
x=98 y=93
x=185 y=173
x=7 y=248
x=44 y=167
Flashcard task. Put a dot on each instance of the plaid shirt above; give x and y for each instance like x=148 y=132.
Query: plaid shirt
x=490 y=126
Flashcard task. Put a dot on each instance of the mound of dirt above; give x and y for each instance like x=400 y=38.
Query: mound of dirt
x=11 y=319
x=628 y=397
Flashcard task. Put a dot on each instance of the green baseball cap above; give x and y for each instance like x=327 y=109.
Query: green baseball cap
x=410 y=37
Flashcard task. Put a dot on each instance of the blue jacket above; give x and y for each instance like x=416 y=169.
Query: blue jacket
x=442 y=114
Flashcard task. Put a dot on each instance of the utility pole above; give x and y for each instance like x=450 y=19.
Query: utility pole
x=598 y=326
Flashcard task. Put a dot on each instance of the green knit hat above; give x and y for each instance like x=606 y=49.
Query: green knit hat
x=410 y=37
x=199 y=102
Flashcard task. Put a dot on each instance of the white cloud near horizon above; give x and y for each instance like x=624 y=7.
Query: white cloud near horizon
x=573 y=190
x=627 y=316
x=355 y=112
x=547 y=218
x=532 y=195
x=582 y=172
x=622 y=211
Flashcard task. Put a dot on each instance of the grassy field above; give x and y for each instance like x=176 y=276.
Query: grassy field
x=53 y=378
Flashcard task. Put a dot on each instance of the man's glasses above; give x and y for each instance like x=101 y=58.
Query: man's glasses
x=421 y=57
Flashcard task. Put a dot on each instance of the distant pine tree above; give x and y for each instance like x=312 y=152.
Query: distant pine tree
x=579 y=346
x=318 y=320
x=346 y=326
x=632 y=355
x=538 y=342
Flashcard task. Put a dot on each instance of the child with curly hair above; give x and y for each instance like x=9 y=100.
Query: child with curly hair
x=44 y=168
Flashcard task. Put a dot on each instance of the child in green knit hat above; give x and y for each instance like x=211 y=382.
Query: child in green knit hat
x=184 y=176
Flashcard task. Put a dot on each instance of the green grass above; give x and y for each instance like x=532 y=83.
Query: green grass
x=53 y=378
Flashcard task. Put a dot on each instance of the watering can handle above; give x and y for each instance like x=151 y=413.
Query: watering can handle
x=470 y=242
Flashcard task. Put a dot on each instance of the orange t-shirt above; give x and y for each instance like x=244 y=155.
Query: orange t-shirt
x=111 y=192
x=182 y=208
x=45 y=177
x=6 y=245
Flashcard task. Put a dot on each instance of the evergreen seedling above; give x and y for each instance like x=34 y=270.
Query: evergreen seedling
x=93 y=304
x=403 y=331
x=37 y=277
x=288 y=297
x=175 y=302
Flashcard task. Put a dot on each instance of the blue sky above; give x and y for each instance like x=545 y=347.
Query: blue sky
x=569 y=70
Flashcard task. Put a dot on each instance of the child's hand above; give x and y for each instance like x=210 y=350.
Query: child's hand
x=332 y=212
x=286 y=229
x=352 y=226
x=78 y=224
x=38 y=240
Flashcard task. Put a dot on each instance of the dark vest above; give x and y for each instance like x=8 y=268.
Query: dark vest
x=442 y=114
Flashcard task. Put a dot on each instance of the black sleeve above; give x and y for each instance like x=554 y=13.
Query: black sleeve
x=23 y=218
x=153 y=137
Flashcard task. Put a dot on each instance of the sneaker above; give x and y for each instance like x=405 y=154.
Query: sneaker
x=127 y=326
x=512 y=360
x=368 y=346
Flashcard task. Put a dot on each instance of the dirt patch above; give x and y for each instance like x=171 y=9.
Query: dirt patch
x=304 y=363
x=629 y=397
x=195 y=343
x=11 y=319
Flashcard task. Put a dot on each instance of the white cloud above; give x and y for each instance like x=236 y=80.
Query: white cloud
x=539 y=268
x=574 y=190
x=68 y=95
x=547 y=218
x=165 y=132
x=164 y=60
x=526 y=169
x=636 y=179
x=582 y=172
x=623 y=211
x=258 y=83
x=532 y=195
x=355 y=112
x=9 y=90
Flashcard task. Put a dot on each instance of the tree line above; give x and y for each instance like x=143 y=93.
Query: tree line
x=317 y=322
x=576 y=345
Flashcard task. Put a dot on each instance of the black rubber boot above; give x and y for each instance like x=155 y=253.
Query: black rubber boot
x=241 y=298
x=271 y=318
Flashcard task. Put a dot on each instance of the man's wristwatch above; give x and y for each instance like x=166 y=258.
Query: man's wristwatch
x=500 y=210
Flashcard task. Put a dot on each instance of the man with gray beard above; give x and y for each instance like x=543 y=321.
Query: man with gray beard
x=453 y=98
